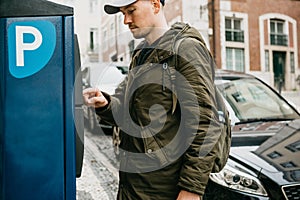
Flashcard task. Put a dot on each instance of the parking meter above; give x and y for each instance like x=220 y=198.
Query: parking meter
x=38 y=136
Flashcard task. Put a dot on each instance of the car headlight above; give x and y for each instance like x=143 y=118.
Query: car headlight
x=238 y=180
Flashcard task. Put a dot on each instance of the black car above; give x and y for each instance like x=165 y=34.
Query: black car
x=264 y=160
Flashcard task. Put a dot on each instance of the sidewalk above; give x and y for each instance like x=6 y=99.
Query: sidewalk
x=293 y=97
x=99 y=177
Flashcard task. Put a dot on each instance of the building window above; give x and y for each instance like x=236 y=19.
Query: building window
x=93 y=39
x=93 y=6
x=267 y=61
x=120 y=23
x=104 y=39
x=235 y=59
x=289 y=164
x=292 y=62
x=233 y=28
x=112 y=34
x=294 y=147
x=278 y=37
x=274 y=155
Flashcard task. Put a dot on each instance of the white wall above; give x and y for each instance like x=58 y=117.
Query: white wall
x=84 y=20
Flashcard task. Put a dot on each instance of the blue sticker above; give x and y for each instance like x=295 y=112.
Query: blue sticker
x=31 y=45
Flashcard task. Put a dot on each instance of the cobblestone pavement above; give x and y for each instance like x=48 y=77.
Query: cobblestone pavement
x=99 y=177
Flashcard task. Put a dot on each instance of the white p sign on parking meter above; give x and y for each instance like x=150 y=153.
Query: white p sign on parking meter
x=31 y=45
x=21 y=46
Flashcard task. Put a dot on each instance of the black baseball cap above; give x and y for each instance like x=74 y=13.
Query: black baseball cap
x=115 y=5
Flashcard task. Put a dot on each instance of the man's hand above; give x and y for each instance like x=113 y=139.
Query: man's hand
x=185 y=195
x=93 y=97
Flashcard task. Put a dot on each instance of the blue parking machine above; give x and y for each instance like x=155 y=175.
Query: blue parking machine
x=38 y=106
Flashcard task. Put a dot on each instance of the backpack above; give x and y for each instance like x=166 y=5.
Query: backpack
x=222 y=147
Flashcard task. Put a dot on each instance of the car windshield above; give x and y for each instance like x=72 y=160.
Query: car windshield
x=251 y=100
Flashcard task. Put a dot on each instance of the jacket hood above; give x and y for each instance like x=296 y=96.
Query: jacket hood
x=181 y=30
x=177 y=31
x=165 y=47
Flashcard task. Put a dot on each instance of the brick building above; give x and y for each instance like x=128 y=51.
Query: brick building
x=117 y=41
x=261 y=37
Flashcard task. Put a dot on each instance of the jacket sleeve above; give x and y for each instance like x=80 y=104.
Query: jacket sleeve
x=194 y=91
x=111 y=113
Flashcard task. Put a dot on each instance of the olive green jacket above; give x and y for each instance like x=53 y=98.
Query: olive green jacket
x=166 y=146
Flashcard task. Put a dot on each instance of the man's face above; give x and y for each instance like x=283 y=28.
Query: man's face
x=139 y=18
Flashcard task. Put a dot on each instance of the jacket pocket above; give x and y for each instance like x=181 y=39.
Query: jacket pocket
x=154 y=150
x=153 y=158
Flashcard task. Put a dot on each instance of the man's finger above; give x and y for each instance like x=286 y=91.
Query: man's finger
x=93 y=97
x=91 y=92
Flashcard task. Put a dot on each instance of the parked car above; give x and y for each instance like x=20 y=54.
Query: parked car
x=106 y=77
x=264 y=161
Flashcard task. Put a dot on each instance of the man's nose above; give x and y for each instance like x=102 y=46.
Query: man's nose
x=127 y=19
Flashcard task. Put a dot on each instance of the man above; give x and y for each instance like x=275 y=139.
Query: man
x=165 y=108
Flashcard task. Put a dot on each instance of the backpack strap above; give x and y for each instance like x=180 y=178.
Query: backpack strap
x=174 y=64
x=172 y=69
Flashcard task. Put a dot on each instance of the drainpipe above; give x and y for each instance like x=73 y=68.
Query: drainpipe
x=213 y=27
x=116 y=37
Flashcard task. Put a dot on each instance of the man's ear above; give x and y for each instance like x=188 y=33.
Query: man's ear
x=156 y=6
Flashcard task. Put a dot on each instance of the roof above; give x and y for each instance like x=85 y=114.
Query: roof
x=32 y=8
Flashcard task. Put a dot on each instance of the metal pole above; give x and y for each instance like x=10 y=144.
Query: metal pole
x=213 y=27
